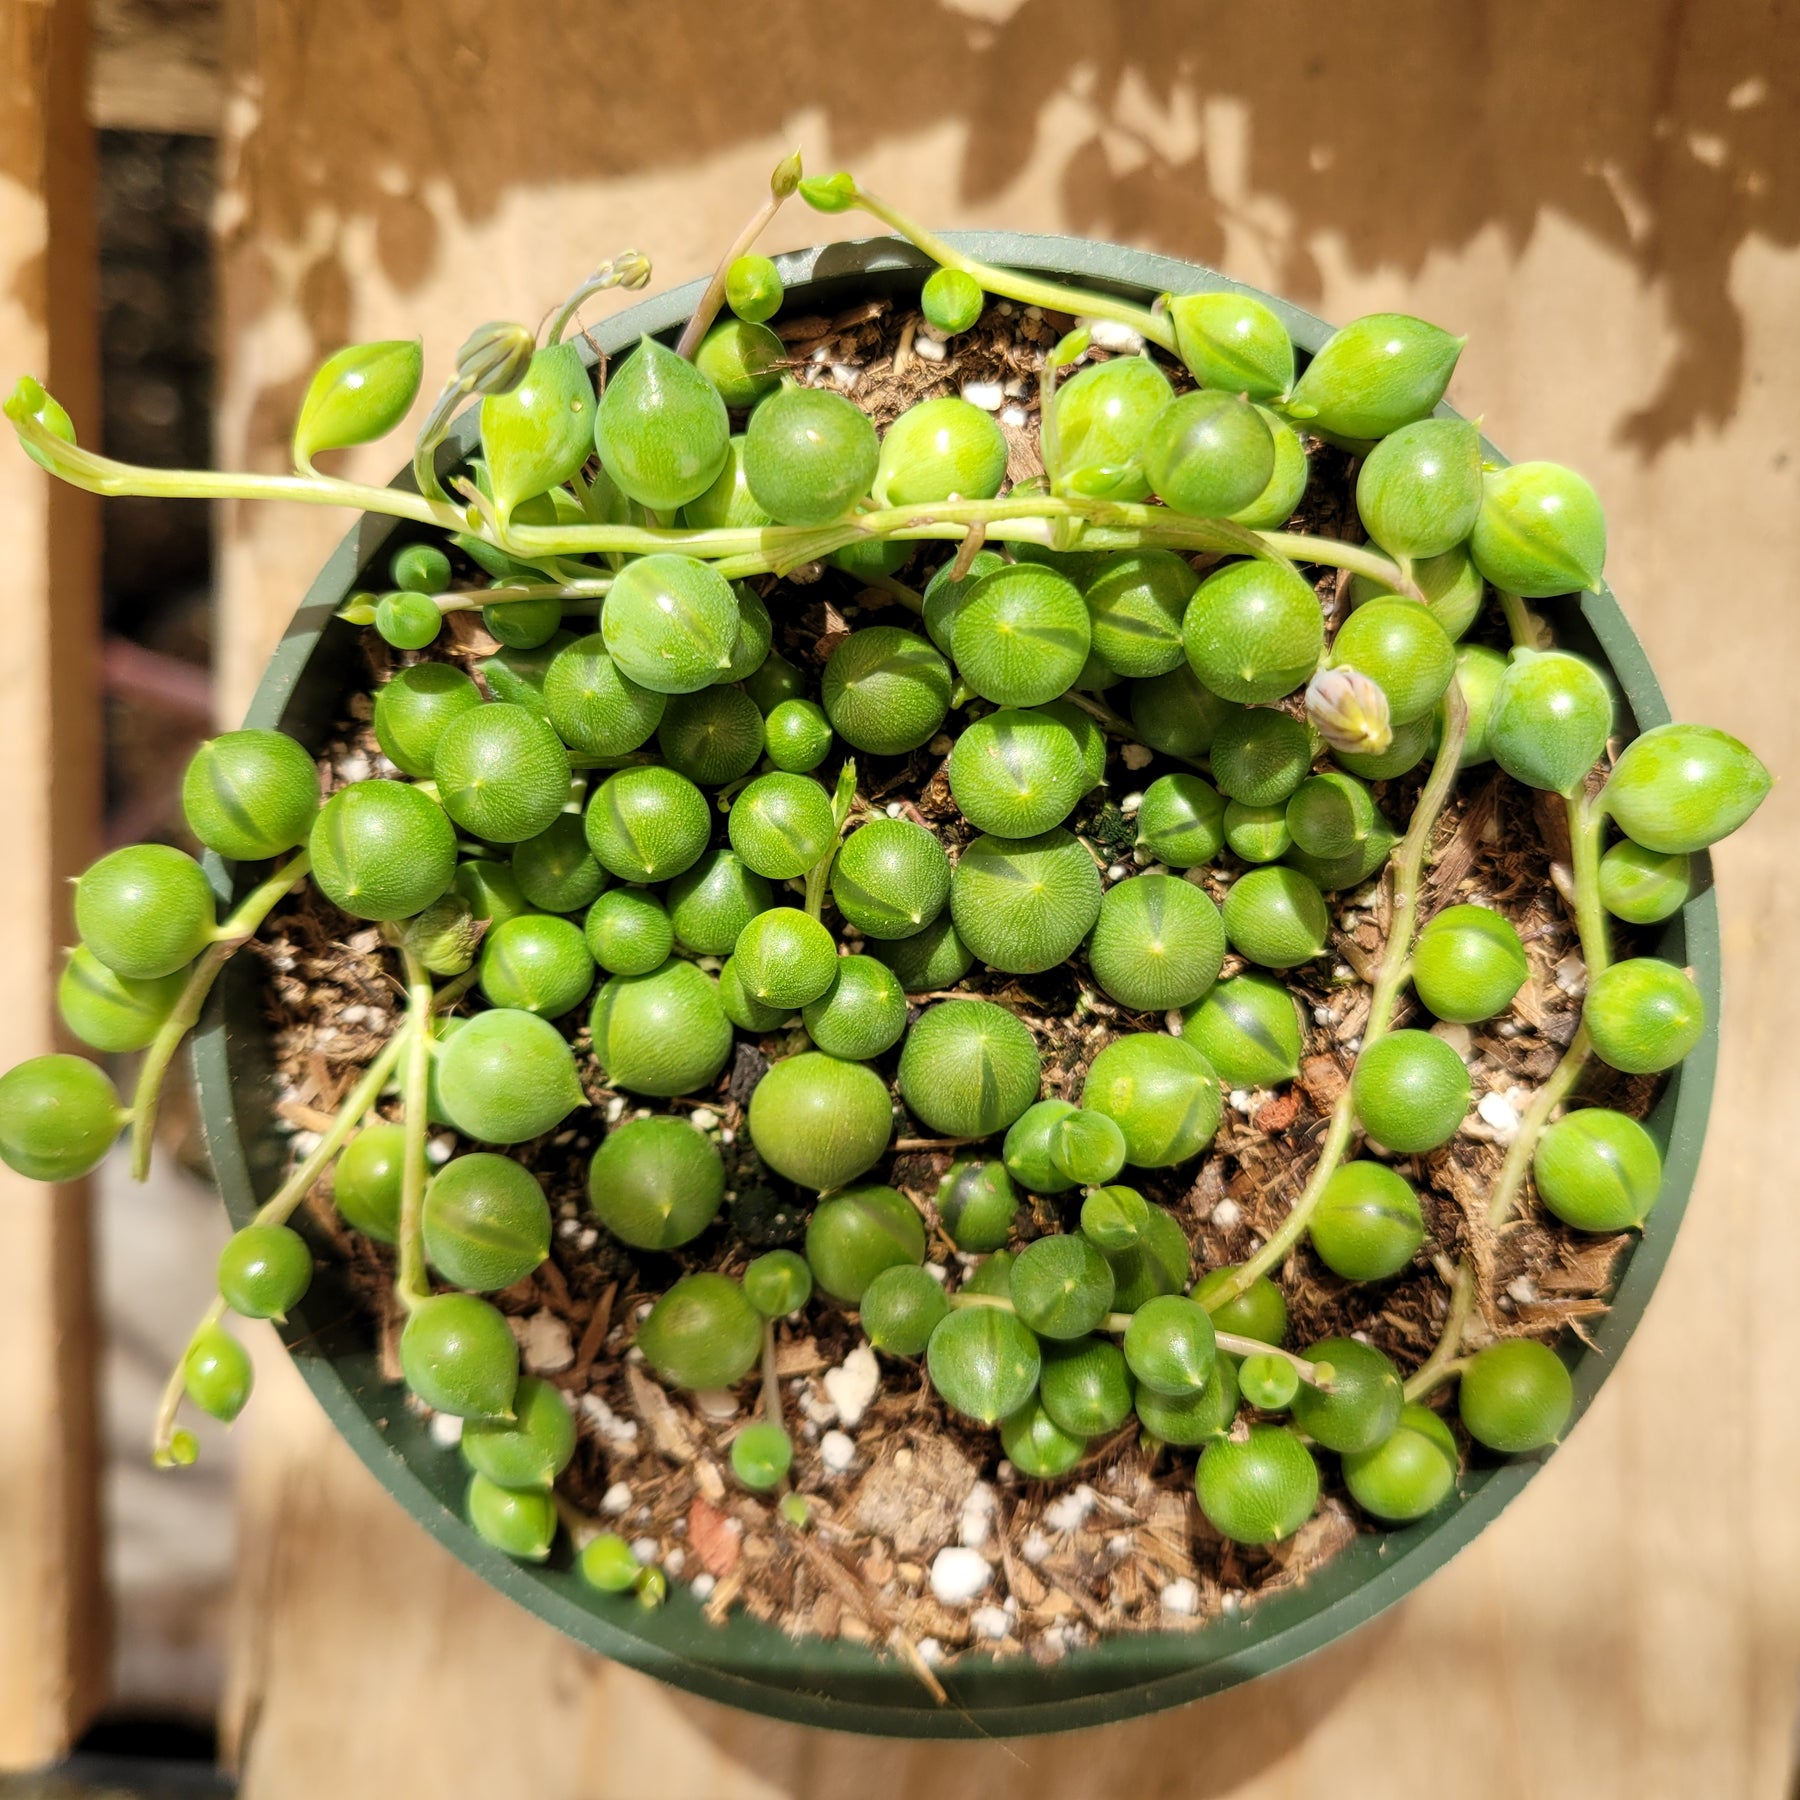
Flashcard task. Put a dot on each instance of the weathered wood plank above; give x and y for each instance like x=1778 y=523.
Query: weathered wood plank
x=1627 y=271
x=52 y=1623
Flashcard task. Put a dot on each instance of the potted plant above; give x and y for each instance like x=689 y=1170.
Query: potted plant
x=998 y=958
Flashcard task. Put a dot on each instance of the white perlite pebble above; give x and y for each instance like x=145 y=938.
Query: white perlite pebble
x=930 y=348
x=1498 y=1112
x=1522 y=1291
x=1239 y=1101
x=854 y=1384
x=1182 y=1598
x=1036 y=1548
x=645 y=1549
x=1130 y=804
x=1137 y=756
x=837 y=1451
x=1571 y=975
x=616 y=1500
x=1015 y=416
x=546 y=1346
x=1069 y=1512
x=437 y=1152
x=1227 y=1214
x=958 y=1574
x=675 y=1561
x=1114 y=334
x=615 y=1109
x=716 y=1403
x=990 y=1622
x=930 y=1651
x=701 y=1586
x=621 y=1433
x=446 y=1430
x=1458 y=1037
x=977 y=1523
x=988 y=395
x=703 y=1118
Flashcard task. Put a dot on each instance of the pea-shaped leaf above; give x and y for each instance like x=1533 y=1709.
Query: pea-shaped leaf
x=538 y=435
x=59 y=1115
x=656 y=1183
x=661 y=428
x=1682 y=787
x=1540 y=531
x=1062 y=1286
x=1233 y=341
x=359 y=393
x=487 y=1223
x=984 y=1362
x=703 y=1333
x=662 y=1033
x=1598 y=1170
x=1550 y=718
x=969 y=1068
x=819 y=1120
x=1024 y=904
x=1374 y=375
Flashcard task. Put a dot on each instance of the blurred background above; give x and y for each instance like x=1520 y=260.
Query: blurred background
x=1604 y=196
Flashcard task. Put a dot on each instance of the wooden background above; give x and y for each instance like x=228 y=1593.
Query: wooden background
x=1606 y=199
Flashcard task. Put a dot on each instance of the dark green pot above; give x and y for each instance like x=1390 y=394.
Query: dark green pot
x=746 y=1664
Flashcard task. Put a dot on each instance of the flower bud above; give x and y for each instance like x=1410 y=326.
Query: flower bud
x=829 y=193
x=494 y=358
x=1540 y=531
x=1349 y=711
x=359 y=394
x=787 y=176
x=1375 y=375
x=1233 y=342
x=445 y=936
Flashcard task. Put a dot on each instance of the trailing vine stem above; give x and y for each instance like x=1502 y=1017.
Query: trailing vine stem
x=1407 y=868
x=781 y=184
x=411 y=1283
x=1313 y=1374
x=231 y=935
x=1556 y=1089
x=843 y=804
x=1446 y=1360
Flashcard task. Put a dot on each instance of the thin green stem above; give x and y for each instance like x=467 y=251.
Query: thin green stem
x=1527 y=630
x=232 y=934
x=411 y=1283
x=1544 y=1102
x=771 y=1379
x=843 y=803
x=1443 y=1361
x=781 y=184
x=1408 y=875
x=1359 y=559
x=476 y=599
x=1586 y=826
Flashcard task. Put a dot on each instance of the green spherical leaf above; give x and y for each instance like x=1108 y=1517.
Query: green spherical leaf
x=1114 y=1218
x=1084 y=1387
x=507 y=1076
x=607 y=1563
x=1332 y=815
x=703 y=1333
x=775 y=680
x=969 y=1068
x=711 y=737
x=413 y=710
x=594 y=705
x=742 y=359
x=1160 y=1091
x=819 y=1120
x=420 y=568
x=1253 y=631
x=647 y=824
x=459 y=1357
x=1516 y=1396
x=1409 y=1474
x=661 y=428
x=1411 y=1091
x=1037 y=1446
x=1276 y=504
x=656 y=1183
x=885 y=690
x=264 y=1271
x=1411 y=744
x=487 y=1224
x=1376 y=374
x=977 y=1204
x=1162 y=1262
x=778 y=1283
x=1191 y=1418
x=1540 y=531
x=945 y=593
x=147 y=910
x=366 y=1184
x=1103 y=414
x=1087 y=1148
x=1021 y=636
x=856 y=1234
x=1362 y=1404
x=216 y=1373
x=359 y=393
x=517 y=676
x=711 y=904
x=536 y=436
x=113 y=1013
x=1598 y=1170
x=1181 y=821
x=1027 y=1148
x=1260 y=1488
x=501 y=773
x=761 y=1455
x=1468 y=964
x=1062 y=1287
x=1276 y=917
x=1233 y=341
x=940 y=449
x=931 y=959
x=1136 y=600
x=1403 y=650
x=901 y=1307
x=809 y=455
x=753 y=288
x=861 y=1014
x=1208 y=454
x=728 y=505
x=1682 y=787
x=782 y=824
x=1644 y=1015
x=529 y=1450
x=1259 y=1312
x=556 y=870
x=1367 y=1223
x=743 y=1008
x=59 y=1116
x=983 y=1362
x=250 y=794
x=1016 y=773
x=1257 y=834
x=670 y=622
x=1249 y=1029
x=382 y=850
x=1420 y=488
x=1268 y=1382
x=1024 y=904
x=1550 y=719
x=1450 y=582
x=951 y=300
x=891 y=879
x=663 y=1033
x=629 y=932
x=1169 y=1346
x=1157 y=943
x=1173 y=713
x=785 y=958
x=1644 y=887
x=797 y=736
x=1260 y=756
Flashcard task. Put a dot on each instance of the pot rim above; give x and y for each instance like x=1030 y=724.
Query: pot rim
x=834 y=1683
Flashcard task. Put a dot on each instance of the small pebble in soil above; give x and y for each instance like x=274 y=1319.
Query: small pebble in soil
x=1227 y=1214
x=1069 y=1512
x=1498 y=1112
x=990 y=1622
x=620 y=1433
x=1036 y=1548
x=1130 y=804
x=675 y=1561
x=1015 y=416
x=616 y=1500
x=958 y=1574
x=1522 y=1291
x=988 y=395
x=703 y=1118
x=716 y=1403
x=1571 y=974
x=546 y=1345
x=1458 y=1037
x=931 y=1651
x=446 y=1430
x=702 y=1585
x=645 y=1549
x=976 y=1525
x=1115 y=334
x=837 y=1451
x=930 y=348
x=1136 y=756
x=853 y=1384
x=1182 y=1598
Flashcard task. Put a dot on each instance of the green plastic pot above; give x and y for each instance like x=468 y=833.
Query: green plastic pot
x=754 y=1666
